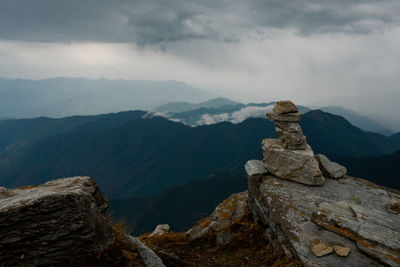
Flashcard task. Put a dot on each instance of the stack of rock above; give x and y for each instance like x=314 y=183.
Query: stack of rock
x=289 y=156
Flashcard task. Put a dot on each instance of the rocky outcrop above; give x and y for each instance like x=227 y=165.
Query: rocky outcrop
x=53 y=222
x=225 y=214
x=290 y=157
x=348 y=213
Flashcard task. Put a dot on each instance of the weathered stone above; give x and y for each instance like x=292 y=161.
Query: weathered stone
x=291 y=117
x=196 y=232
x=253 y=167
x=319 y=248
x=330 y=169
x=230 y=211
x=53 y=222
x=148 y=256
x=284 y=107
x=296 y=165
x=160 y=230
x=341 y=251
x=394 y=206
x=290 y=212
x=291 y=140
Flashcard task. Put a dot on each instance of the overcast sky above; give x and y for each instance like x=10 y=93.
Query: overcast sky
x=314 y=52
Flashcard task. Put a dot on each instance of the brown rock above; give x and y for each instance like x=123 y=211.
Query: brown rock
x=284 y=107
x=319 y=248
x=341 y=251
x=394 y=206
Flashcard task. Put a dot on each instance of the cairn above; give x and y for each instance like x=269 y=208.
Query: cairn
x=290 y=157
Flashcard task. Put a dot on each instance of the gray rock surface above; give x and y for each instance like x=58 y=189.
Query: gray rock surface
x=52 y=222
x=330 y=169
x=255 y=167
x=347 y=212
x=149 y=258
x=296 y=165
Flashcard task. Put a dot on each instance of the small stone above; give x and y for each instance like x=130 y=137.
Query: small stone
x=254 y=166
x=394 y=206
x=341 y=251
x=319 y=248
x=284 y=107
x=160 y=230
x=330 y=169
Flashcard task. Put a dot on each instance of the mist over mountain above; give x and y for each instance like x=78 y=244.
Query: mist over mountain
x=61 y=97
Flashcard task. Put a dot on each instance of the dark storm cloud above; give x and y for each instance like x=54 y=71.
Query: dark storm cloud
x=149 y=22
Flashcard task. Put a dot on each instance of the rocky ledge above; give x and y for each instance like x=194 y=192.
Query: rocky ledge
x=53 y=222
x=344 y=221
x=348 y=212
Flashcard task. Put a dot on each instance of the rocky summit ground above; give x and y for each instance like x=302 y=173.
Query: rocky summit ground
x=247 y=248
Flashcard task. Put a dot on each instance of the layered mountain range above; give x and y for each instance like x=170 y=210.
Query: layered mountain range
x=143 y=162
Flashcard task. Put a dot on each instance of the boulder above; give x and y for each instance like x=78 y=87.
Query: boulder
x=230 y=211
x=53 y=222
x=296 y=165
x=330 y=169
x=348 y=212
x=160 y=230
x=284 y=107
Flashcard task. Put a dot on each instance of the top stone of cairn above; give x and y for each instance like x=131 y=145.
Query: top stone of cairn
x=284 y=107
x=284 y=111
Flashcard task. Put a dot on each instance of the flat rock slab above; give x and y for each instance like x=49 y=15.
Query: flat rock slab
x=52 y=222
x=352 y=214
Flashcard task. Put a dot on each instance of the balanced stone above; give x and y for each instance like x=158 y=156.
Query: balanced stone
x=291 y=135
x=292 y=117
x=296 y=165
x=284 y=107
